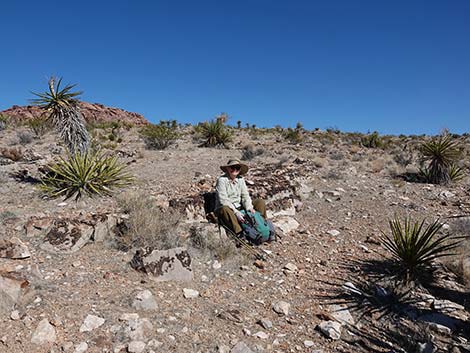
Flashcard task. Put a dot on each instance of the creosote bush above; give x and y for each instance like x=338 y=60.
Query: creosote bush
x=441 y=156
x=3 y=122
x=414 y=247
x=214 y=133
x=147 y=224
x=38 y=125
x=159 y=136
x=372 y=140
x=84 y=174
x=293 y=135
x=24 y=137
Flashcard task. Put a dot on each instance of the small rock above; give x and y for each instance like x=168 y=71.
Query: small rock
x=281 y=308
x=261 y=334
x=216 y=265
x=440 y=328
x=333 y=232
x=447 y=305
x=15 y=315
x=260 y=264
x=91 y=322
x=154 y=343
x=241 y=347
x=223 y=349
x=341 y=314
x=145 y=301
x=44 y=333
x=331 y=329
x=136 y=347
x=265 y=323
x=308 y=344
x=190 y=293
x=290 y=267
x=82 y=347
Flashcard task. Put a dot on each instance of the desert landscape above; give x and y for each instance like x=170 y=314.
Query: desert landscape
x=138 y=268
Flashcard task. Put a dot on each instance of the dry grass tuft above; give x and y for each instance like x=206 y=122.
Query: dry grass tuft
x=218 y=245
x=147 y=225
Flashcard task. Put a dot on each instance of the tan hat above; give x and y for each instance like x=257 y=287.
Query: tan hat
x=233 y=162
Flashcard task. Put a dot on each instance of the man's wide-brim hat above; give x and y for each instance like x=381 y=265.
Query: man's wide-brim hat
x=233 y=163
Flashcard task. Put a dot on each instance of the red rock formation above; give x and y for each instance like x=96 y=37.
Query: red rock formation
x=92 y=112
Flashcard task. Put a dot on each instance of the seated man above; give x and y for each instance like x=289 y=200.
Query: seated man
x=233 y=196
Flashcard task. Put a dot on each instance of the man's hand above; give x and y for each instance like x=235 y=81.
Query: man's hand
x=240 y=217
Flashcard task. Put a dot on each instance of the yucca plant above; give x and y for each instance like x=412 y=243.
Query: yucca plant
x=414 y=247
x=214 y=133
x=84 y=173
x=62 y=109
x=441 y=154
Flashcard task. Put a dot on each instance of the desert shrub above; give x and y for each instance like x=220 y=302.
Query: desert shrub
x=333 y=130
x=13 y=154
x=147 y=225
x=38 y=125
x=84 y=174
x=293 y=135
x=372 y=140
x=414 y=247
x=158 y=137
x=62 y=107
x=441 y=155
x=3 y=122
x=249 y=152
x=24 y=137
x=214 y=133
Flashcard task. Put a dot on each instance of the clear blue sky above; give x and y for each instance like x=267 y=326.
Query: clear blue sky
x=396 y=66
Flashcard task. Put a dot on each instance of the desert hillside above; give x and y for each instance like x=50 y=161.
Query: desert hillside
x=92 y=112
x=142 y=270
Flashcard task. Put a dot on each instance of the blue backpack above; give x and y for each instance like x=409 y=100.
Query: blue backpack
x=257 y=229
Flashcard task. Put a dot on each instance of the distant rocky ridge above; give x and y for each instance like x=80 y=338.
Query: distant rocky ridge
x=92 y=112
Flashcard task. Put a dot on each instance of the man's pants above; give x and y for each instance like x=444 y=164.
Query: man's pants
x=227 y=216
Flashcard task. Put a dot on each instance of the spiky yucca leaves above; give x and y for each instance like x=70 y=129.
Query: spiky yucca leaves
x=84 y=173
x=414 y=246
x=214 y=133
x=442 y=155
x=62 y=109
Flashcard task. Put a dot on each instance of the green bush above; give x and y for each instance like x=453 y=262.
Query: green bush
x=87 y=173
x=372 y=140
x=293 y=135
x=441 y=155
x=414 y=246
x=214 y=133
x=158 y=137
x=3 y=122
x=38 y=125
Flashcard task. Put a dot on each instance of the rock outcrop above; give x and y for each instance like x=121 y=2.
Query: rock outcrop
x=92 y=112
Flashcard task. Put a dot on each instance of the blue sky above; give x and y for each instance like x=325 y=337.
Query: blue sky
x=358 y=65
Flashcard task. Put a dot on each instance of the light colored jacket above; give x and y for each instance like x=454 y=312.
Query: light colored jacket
x=233 y=193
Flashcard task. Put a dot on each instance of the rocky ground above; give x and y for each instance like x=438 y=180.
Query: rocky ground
x=67 y=286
